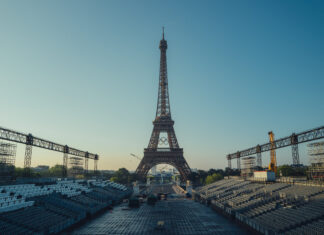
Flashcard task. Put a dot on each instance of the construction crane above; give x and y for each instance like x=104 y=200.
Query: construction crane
x=273 y=159
x=135 y=156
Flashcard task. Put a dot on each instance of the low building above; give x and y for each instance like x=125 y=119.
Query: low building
x=41 y=168
x=264 y=176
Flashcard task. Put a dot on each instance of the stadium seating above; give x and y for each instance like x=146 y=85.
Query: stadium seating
x=53 y=207
x=275 y=208
x=7 y=228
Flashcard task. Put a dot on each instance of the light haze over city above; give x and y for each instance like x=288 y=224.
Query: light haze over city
x=86 y=75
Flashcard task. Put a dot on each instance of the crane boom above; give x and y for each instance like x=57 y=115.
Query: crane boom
x=273 y=159
x=135 y=156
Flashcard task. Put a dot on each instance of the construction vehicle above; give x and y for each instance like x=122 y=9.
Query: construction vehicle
x=273 y=159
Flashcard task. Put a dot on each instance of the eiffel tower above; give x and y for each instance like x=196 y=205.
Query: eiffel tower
x=163 y=147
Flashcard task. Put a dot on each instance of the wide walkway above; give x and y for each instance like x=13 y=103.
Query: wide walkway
x=180 y=216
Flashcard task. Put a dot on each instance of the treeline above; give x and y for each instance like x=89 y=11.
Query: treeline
x=55 y=171
x=202 y=177
x=286 y=170
x=122 y=176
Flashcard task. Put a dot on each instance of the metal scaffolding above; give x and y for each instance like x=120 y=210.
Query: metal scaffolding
x=76 y=166
x=259 y=156
x=238 y=163
x=294 y=149
x=29 y=140
x=248 y=167
x=292 y=140
x=86 y=165
x=95 y=166
x=7 y=160
x=229 y=163
x=316 y=157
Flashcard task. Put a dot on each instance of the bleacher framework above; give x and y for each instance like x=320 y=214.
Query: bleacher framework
x=248 y=167
x=56 y=206
x=316 y=157
x=7 y=160
x=268 y=208
x=75 y=166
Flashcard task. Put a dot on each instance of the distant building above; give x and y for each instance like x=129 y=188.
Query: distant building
x=153 y=170
x=264 y=176
x=175 y=171
x=41 y=168
x=108 y=171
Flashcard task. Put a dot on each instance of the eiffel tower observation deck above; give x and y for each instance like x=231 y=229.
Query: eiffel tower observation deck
x=163 y=147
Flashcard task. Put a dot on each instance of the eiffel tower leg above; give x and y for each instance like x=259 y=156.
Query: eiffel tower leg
x=142 y=170
x=152 y=158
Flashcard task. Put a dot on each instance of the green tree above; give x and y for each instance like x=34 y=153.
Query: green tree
x=122 y=176
x=114 y=179
x=19 y=172
x=213 y=178
x=231 y=172
x=56 y=171
x=286 y=170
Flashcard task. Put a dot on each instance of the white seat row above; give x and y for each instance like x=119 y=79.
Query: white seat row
x=109 y=184
x=15 y=205
x=65 y=187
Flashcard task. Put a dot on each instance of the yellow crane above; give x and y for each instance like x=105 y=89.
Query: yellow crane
x=273 y=159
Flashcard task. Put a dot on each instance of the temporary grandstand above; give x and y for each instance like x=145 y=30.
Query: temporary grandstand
x=248 y=167
x=316 y=157
x=54 y=207
x=275 y=208
x=7 y=160
x=76 y=167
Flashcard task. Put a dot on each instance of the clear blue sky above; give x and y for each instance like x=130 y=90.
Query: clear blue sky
x=85 y=73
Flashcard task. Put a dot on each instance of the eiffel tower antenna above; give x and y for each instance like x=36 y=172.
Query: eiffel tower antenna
x=163 y=33
x=163 y=124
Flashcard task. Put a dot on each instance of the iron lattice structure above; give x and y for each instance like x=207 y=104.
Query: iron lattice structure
x=163 y=124
x=7 y=160
x=248 y=167
x=316 y=157
x=76 y=166
x=29 y=140
x=293 y=140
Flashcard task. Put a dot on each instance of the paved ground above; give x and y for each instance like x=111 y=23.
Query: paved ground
x=163 y=188
x=180 y=216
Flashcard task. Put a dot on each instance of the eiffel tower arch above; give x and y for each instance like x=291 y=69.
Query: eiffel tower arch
x=163 y=147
